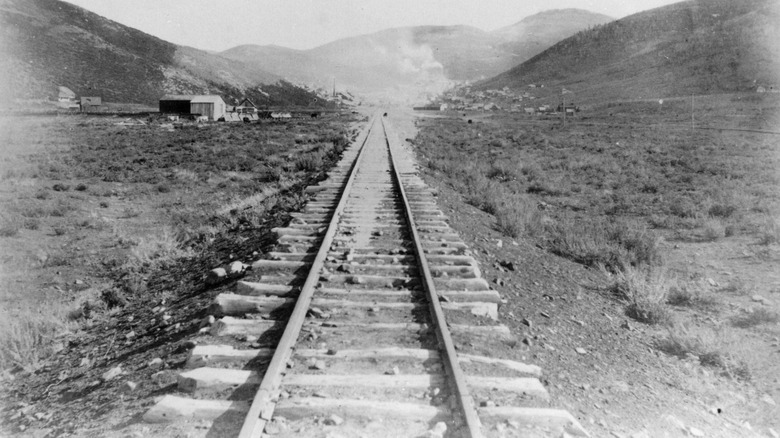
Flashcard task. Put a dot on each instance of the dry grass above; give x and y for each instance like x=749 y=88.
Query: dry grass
x=86 y=199
x=770 y=231
x=618 y=245
x=29 y=334
x=755 y=318
x=155 y=249
x=645 y=290
x=691 y=294
x=605 y=192
x=712 y=348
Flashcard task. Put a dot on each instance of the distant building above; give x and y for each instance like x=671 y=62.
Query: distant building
x=211 y=106
x=91 y=103
x=66 y=94
x=570 y=108
x=761 y=90
x=67 y=99
x=529 y=110
x=246 y=107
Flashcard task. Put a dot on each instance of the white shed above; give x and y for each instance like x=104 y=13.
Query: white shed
x=211 y=106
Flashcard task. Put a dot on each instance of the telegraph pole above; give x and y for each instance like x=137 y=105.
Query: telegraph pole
x=563 y=106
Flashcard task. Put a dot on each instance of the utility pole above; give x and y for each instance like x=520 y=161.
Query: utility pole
x=692 y=106
x=334 y=87
x=563 y=106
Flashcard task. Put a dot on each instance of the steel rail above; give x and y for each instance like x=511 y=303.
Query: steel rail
x=263 y=403
x=455 y=373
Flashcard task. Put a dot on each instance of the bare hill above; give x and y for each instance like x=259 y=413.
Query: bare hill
x=48 y=43
x=697 y=46
x=534 y=34
x=427 y=56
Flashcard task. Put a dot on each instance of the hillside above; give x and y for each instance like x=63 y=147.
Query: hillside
x=698 y=46
x=534 y=34
x=423 y=57
x=48 y=43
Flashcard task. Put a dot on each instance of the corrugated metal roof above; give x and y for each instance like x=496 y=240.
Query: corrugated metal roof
x=211 y=98
x=194 y=98
x=177 y=97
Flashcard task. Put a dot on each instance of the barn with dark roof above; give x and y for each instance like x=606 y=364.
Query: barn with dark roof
x=211 y=106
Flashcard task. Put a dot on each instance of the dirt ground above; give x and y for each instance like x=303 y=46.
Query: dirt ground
x=623 y=385
x=598 y=363
x=109 y=226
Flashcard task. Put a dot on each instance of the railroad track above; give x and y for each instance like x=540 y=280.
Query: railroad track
x=369 y=319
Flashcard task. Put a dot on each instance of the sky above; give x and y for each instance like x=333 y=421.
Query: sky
x=303 y=24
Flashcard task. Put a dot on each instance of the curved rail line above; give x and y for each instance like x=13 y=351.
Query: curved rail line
x=387 y=328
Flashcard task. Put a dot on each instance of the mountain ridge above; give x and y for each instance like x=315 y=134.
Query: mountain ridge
x=49 y=43
x=432 y=55
x=695 y=46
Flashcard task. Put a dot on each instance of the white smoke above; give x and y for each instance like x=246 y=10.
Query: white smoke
x=417 y=76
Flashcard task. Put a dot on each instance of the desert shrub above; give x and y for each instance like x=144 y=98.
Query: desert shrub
x=498 y=143
x=690 y=294
x=713 y=230
x=683 y=208
x=709 y=347
x=756 y=317
x=27 y=339
x=60 y=187
x=32 y=223
x=485 y=194
x=163 y=188
x=769 y=232
x=10 y=224
x=520 y=217
x=157 y=249
x=646 y=291
x=61 y=208
x=81 y=187
x=309 y=162
x=545 y=188
x=185 y=175
x=596 y=241
x=661 y=221
x=129 y=212
x=721 y=211
x=113 y=298
x=649 y=188
x=501 y=171
x=42 y=195
x=265 y=174
x=531 y=171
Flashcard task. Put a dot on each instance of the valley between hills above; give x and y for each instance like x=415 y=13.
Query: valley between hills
x=617 y=182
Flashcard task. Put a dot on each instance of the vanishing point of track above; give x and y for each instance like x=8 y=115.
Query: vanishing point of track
x=370 y=318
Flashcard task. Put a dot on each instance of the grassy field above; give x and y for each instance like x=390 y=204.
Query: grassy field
x=94 y=212
x=630 y=190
